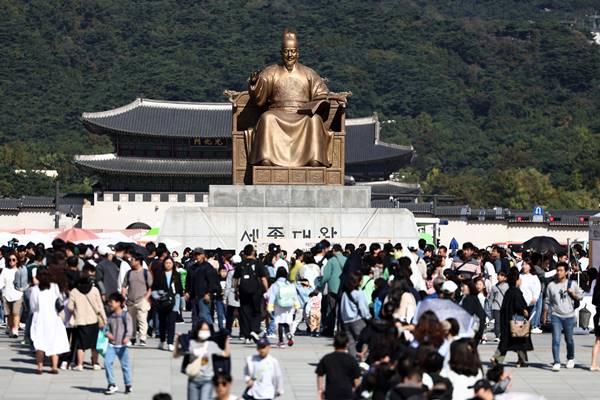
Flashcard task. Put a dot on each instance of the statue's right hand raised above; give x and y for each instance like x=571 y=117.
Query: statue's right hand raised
x=254 y=77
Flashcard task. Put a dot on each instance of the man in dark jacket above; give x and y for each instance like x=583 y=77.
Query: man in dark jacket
x=107 y=273
x=200 y=286
x=249 y=284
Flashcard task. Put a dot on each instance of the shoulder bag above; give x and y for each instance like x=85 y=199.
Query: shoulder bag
x=519 y=327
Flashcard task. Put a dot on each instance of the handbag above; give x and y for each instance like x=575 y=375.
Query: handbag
x=59 y=305
x=99 y=317
x=102 y=342
x=519 y=327
x=193 y=369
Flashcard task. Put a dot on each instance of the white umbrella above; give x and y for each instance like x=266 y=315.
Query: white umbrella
x=445 y=309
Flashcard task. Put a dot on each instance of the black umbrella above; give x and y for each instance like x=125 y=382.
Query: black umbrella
x=136 y=248
x=543 y=244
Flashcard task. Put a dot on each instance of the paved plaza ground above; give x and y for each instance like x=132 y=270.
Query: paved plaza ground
x=155 y=370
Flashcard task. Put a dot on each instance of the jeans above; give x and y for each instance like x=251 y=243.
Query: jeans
x=271 y=327
x=220 y=308
x=562 y=325
x=199 y=389
x=329 y=315
x=232 y=312
x=353 y=329
x=538 y=307
x=123 y=354
x=201 y=312
x=496 y=317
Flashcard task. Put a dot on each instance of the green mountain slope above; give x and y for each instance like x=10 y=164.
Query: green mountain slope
x=494 y=95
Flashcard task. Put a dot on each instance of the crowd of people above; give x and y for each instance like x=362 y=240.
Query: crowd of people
x=405 y=322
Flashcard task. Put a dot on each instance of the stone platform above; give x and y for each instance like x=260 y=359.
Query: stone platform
x=292 y=216
x=315 y=196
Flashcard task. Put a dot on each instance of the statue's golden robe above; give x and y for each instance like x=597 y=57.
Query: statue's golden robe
x=288 y=134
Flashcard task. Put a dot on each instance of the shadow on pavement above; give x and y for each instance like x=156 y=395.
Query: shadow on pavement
x=20 y=370
x=89 y=389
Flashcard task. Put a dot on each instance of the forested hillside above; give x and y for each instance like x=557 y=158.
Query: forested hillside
x=501 y=99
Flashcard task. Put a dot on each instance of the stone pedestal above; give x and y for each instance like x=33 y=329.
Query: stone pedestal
x=289 y=215
x=289 y=196
x=297 y=176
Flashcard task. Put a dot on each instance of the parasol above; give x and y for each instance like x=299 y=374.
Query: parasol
x=445 y=309
x=543 y=244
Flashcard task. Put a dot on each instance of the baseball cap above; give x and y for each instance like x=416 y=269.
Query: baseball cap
x=481 y=384
x=236 y=259
x=449 y=287
x=263 y=342
x=413 y=245
x=198 y=250
x=273 y=248
x=104 y=250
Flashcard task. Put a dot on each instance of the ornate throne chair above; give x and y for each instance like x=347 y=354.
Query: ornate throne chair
x=244 y=119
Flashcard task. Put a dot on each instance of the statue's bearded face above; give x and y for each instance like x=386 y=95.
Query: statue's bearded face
x=289 y=54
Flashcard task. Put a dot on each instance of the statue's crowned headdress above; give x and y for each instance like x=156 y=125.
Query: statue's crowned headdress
x=289 y=38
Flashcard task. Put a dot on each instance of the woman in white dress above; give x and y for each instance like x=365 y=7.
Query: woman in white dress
x=48 y=332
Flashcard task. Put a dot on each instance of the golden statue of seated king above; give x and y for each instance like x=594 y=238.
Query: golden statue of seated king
x=291 y=133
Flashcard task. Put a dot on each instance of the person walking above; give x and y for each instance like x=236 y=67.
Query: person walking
x=200 y=368
x=85 y=305
x=136 y=288
x=496 y=295
x=561 y=297
x=120 y=327
x=250 y=282
x=222 y=385
x=107 y=272
x=530 y=285
x=353 y=311
x=264 y=379
x=167 y=291
x=338 y=373
x=332 y=271
x=48 y=333
x=201 y=283
x=596 y=349
x=513 y=305
x=12 y=298
x=232 y=310
x=282 y=301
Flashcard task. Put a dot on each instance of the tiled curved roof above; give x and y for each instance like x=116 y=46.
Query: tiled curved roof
x=164 y=118
x=363 y=144
x=150 y=166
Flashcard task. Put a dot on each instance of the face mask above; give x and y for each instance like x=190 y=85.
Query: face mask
x=203 y=335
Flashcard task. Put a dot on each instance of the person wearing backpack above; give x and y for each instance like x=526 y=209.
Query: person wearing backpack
x=563 y=297
x=283 y=301
x=137 y=288
x=249 y=283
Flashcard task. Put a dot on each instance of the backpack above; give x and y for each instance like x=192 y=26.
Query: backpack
x=145 y=277
x=248 y=278
x=286 y=296
x=576 y=303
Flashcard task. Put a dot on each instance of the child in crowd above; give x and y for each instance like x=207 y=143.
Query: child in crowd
x=262 y=372
x=120 y=329
x=313 y=313
x=220 y=297
x=283 y=300
x=303 y=290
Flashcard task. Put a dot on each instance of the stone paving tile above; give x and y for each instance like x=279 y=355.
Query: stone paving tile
x=155 y=370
